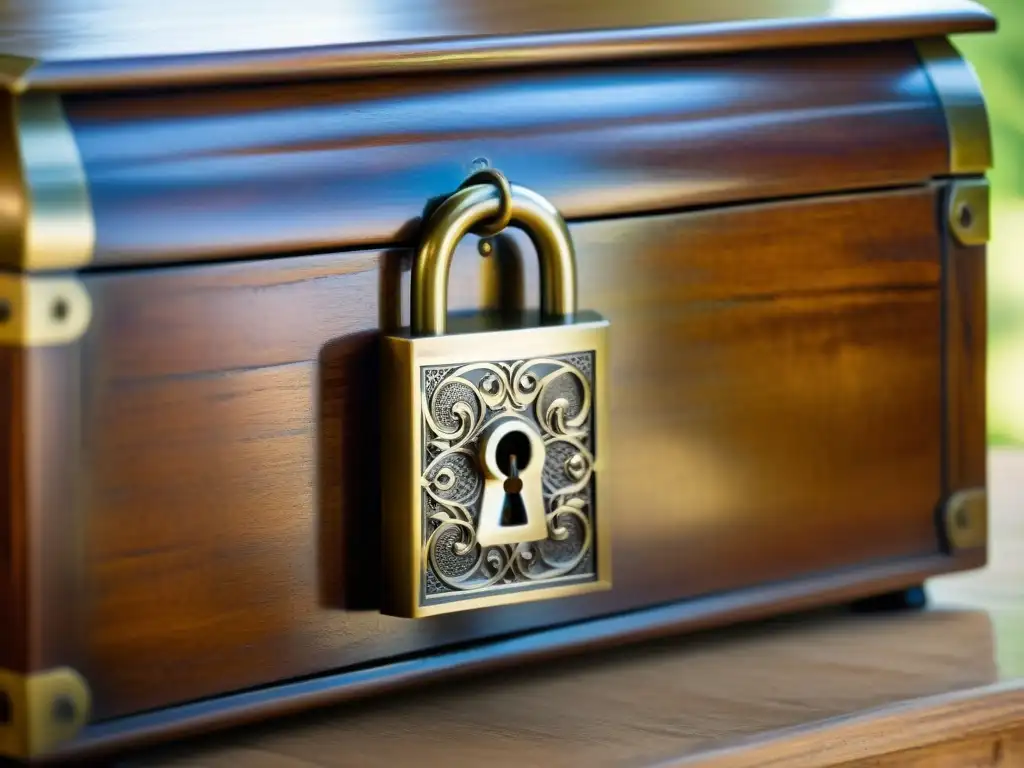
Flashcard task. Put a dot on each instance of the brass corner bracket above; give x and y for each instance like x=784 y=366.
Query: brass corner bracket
x=965 y=519
x=42 y=311
x=969 y=212
x=959 y=93
x=39 y=711
x=48 y=223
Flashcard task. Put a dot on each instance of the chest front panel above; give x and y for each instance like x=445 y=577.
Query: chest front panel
x=776 y=403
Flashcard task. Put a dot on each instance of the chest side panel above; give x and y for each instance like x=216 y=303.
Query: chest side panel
x=775 y=399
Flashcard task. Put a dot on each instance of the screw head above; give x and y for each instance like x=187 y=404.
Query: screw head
x=965 y=216
x=63 y=709
x=485 y=247
x=576 y=466
x=961 y=520
x=59 y=309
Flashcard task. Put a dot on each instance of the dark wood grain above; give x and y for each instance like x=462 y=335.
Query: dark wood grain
x=39 y=551
x=118 y=43
x=232 y=173
x=966 y=331
x=55 y=529
x=775 y=410
x=13 y=590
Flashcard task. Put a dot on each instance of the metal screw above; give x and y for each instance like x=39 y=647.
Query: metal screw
x=965 y=216
x=575 y=466
x=60 y=309
x=63 y=709
x=961 y=520
x=485 y=248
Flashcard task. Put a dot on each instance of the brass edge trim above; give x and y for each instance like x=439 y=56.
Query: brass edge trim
x=969 y=211
x=965 y=519
x=42 y=311
x=43 y=710
x=959 y=92
x=59 y=231
x=46 y=218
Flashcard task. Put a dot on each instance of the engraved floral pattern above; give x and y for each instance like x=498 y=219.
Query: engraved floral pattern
x=555 y=395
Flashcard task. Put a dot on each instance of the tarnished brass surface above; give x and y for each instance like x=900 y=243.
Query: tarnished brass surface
x=46 y=220
x=518 y=353
x=42 y=311
x=970 y=211
x=43 y=710
x=958 y=88
x=966 y=519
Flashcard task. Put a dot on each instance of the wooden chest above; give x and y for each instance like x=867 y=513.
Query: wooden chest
x=208 y=221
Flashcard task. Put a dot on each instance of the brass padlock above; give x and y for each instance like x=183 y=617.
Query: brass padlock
x=495 y=438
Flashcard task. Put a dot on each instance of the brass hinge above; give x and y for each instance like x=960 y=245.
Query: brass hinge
x=42 y=311
x=41 y=710
x=965 y=519
x=969 y=216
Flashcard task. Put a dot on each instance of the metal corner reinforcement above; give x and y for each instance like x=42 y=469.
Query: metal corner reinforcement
x=40 y=711
x=46 y=219
x=960 y=94
x=969 y=211
x=42 y=311
x=965 y=519
x=14 y=72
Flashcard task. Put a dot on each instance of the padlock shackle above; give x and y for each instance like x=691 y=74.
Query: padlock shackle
x=456 y=217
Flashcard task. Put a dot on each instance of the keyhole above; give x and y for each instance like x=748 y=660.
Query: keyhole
x=513 y=511
x=513 y=444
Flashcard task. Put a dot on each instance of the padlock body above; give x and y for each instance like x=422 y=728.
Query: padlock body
x=440 y=394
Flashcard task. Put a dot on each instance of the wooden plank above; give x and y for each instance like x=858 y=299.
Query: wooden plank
x=966 y=345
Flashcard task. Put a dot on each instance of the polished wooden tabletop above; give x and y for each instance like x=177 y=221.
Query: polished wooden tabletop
x=940 y=687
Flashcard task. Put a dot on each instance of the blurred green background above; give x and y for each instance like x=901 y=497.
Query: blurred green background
x=998 y=60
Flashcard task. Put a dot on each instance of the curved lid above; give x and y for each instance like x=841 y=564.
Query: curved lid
x=113 y=44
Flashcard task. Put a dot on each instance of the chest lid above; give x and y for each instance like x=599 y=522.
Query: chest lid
x=233 y=130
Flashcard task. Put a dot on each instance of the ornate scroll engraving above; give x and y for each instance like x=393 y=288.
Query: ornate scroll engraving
x=555 y=395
